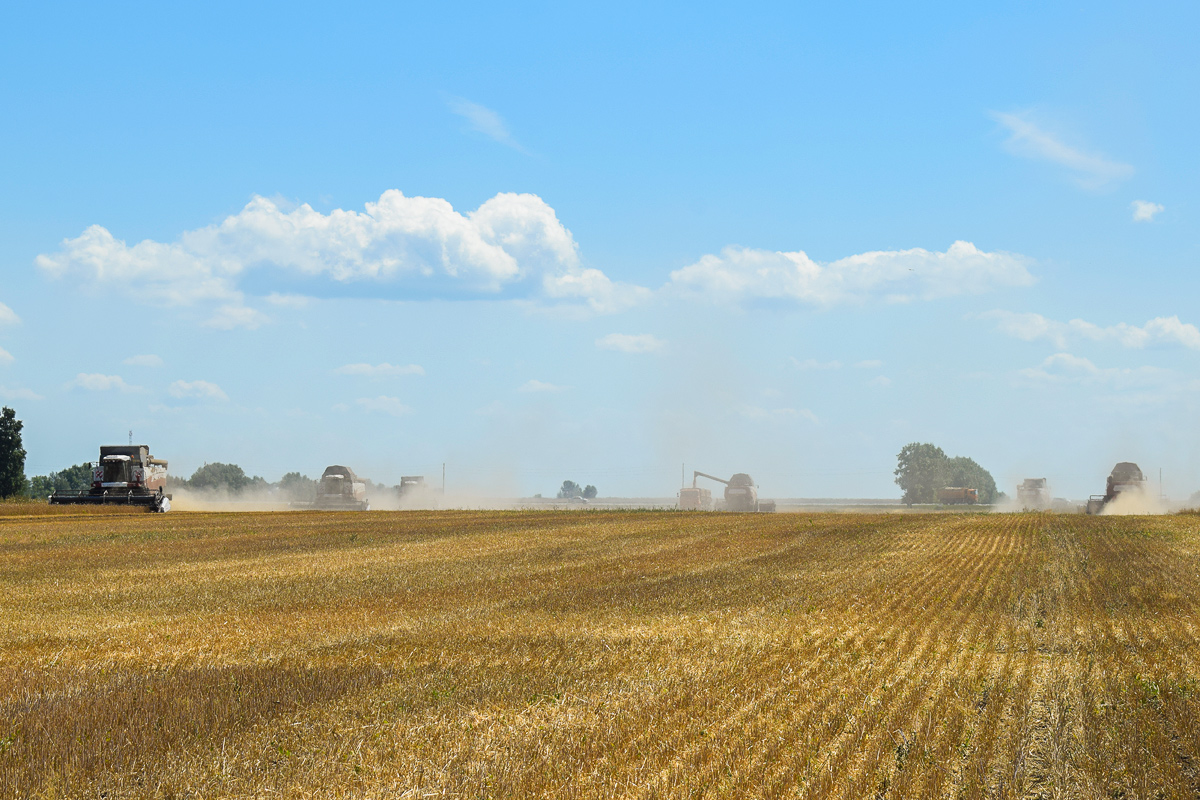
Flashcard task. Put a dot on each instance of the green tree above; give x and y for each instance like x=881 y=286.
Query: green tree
x=298 y=488
x=920 y=472
x=922 y=469
x=12 y=455
x=589 y=492
x=71 y=479
x=216 y=475
x=569 y=490
x=963 y=471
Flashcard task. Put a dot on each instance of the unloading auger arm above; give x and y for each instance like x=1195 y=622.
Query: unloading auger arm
x=696 y=475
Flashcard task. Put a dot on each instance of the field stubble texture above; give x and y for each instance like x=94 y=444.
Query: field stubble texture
x=510 y=654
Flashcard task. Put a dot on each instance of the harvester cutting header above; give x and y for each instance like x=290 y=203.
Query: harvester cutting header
x=124 y=475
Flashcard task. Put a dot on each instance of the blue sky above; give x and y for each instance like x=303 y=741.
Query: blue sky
x=538 y=243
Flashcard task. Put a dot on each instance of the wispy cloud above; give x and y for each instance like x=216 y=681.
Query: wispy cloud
x=97 y=382
x=741 y=274
x=6 y=357
x=230 y=317
x=19 y=393
x=631 y=343
x=143 y=361
x=289 y=300
x=812 y=363
x=778 y=414
x=870 y=363
x=540 y=386
x=1031 y=327
x=484 y=120
x=380 y=370
x=1144 y=211
x=384 y=405
x=8 y=316
x=1028 y=140
x=197 y=390
x=1068 y=368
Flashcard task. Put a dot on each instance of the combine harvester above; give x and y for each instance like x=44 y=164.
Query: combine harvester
x=339 y=490
x=1034 y=495
x=1125 y=477
x=125 y=475
x=740 y=494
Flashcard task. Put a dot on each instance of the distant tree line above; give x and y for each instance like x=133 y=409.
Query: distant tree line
x=571 y=490
x=922 y=469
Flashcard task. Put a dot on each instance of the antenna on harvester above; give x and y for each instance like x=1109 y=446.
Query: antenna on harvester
x=131 y=437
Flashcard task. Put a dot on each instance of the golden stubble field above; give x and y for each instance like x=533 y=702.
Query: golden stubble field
x=584 y=654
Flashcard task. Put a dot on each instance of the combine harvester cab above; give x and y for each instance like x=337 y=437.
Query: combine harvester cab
x=125 y=475
x=340 y=490
x=1126 y=476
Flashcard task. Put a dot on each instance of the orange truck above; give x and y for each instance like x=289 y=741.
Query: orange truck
x=958 y=495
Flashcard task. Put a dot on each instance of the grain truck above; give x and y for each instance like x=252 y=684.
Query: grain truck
x=958 y=495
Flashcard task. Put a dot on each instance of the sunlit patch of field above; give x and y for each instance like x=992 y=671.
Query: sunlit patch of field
x=587 y=654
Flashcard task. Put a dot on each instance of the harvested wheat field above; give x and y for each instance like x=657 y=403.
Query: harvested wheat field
x=513 y=654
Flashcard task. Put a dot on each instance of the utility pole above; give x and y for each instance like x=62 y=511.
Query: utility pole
x=443 y=478
x=683 y=475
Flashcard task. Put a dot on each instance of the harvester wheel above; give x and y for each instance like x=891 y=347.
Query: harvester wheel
x=366 y=505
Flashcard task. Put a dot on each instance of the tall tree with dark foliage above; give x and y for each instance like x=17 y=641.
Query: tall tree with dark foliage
x=12 y=455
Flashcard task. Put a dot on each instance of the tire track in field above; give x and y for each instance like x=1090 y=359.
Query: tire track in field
x=900 y=781
x=691 y=757
x=925 y=655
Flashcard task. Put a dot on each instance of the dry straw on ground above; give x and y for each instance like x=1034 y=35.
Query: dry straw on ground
x=508 y=654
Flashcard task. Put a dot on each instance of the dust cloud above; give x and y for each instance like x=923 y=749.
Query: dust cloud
x=1133 y=501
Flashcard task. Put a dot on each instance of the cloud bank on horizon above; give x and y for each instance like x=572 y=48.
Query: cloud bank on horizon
x=512 y=247
x=1162 y=331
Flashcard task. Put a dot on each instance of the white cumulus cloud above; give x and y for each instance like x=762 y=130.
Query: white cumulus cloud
x=1029 y=140
x=512 y=242
x=97 y=382
x=384 y=405
x=1158 y=331
x=6 y=357
x=741 y=274
x=540 y=386
x=1144 y=211
x=8 y=316
x=143 y=361
x=631 y=343
x=198 y=390
x=380 y=370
